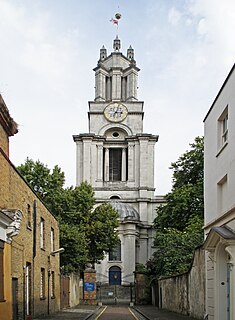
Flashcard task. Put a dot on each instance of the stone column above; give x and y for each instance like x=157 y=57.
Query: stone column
x=87 y=160
x=144 y=162
x=79 y=163
x=131 y=86
x=131 y=164
x=103 y=79
x=106 y=165
x=99 y=162
x=123 y=164
x=129 y=251
x=100 y=86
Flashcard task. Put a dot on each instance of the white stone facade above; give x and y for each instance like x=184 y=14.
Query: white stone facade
x=220 y=203
x=117 y=159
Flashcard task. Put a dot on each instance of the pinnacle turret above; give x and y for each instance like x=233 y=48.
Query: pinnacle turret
x=103 y=53
x=130 y=53
x=116 y=44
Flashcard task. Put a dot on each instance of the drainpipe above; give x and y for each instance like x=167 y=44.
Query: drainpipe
x=34 y=247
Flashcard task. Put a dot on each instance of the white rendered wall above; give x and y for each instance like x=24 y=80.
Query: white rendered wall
x=218 y=164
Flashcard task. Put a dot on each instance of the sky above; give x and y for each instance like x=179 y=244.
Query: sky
x=184 y=48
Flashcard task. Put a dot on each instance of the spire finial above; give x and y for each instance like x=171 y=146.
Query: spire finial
x=116 y=19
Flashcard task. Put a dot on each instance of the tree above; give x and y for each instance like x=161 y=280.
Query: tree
x=186 y=198
x=48 y=184
x=98 y=226
x=179 y=221
x=85 y=233
x=174 y=248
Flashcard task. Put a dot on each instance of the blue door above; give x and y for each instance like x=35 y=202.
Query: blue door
x=115 y=276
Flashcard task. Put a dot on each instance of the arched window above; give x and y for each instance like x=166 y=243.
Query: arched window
x=115 y=254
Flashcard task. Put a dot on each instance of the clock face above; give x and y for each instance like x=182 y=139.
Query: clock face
x=115 y=112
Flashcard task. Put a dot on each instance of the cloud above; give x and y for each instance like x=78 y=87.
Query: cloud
x=216 y=22
x=174 y=16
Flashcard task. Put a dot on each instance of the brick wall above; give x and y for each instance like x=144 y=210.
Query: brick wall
x=16 y=194
x=90 y=296
x=4 y=142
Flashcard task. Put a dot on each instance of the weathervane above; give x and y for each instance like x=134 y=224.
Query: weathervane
x=116 y=19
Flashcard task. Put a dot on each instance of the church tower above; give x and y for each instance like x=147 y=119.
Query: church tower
x=117 y=159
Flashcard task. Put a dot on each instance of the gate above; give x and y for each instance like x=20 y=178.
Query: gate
x=64 y=291
x=115 y=294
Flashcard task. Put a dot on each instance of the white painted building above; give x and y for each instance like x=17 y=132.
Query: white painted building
x=220 y=203
x=117 y=159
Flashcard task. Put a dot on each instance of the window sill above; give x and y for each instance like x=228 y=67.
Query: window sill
x=222 y=148
x=29 y=228
x=43 y=298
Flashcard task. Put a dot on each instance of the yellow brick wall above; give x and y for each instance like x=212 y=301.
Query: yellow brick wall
x=16 y=194
x=6 y=307
x=4 y=141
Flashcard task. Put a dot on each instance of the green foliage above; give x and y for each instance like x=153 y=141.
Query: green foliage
x=175 y=248
x=188 y=169
x=179 y=222
x=48 y=184
x=186 y=198
x=141 y=268
x=73 y=240
x=85 y=233
x=101 y=231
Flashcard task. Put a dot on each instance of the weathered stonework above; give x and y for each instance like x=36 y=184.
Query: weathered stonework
x=185 y=293
x=117 y=158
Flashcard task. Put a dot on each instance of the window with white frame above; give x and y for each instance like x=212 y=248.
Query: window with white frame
x=42 y=233
x=52 y=284
x=222 y=186
x=52 y=240
x=42 y=284
x=223 y=128
x=115 y=254
x=29 y=216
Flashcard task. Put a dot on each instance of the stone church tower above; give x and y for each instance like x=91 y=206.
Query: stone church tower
x=117 y=159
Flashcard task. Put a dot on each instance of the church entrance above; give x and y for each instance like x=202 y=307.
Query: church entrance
x=115 y=291
x=115 y=276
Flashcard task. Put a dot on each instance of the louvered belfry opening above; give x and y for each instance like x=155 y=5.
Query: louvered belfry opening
x=115 y=164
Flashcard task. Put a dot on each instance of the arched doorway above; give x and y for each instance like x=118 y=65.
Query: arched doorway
x=115 y=276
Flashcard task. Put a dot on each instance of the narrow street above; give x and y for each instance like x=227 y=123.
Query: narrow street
x=110 y=312
x=118 y=313
x=137 y=313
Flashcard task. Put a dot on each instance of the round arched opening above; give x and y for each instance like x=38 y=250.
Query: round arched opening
x=115 y=198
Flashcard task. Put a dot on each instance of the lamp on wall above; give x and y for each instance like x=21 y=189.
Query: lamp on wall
x=60 y=250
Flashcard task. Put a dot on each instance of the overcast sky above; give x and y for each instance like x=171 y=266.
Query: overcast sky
x=184 y=48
